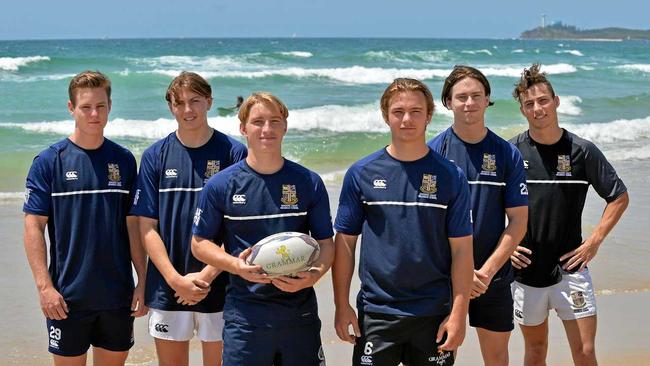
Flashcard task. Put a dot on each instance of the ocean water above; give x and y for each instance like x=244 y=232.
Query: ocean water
x=331 y=86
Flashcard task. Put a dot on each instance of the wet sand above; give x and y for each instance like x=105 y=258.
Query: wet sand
x=620 y=272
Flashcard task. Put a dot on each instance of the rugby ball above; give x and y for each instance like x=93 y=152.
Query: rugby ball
x=285 y=254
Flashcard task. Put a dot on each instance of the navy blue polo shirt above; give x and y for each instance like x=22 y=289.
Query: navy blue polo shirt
x=86 y=195
x=238 y=208
x=169 y=183
x=495 y=173
x=405 y=212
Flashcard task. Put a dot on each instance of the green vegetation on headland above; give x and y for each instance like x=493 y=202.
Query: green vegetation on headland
x=563 y=31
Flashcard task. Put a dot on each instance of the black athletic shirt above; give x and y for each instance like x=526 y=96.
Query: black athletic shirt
x=558 y=178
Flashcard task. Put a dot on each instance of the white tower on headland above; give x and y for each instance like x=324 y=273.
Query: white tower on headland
x=543 y=20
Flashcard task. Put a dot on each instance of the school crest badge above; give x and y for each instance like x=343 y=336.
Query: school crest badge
x=212 y=168
x=578 y=299
x=489 y=162
x=428 y=184
x=289 y=196
x=563 y=163
x=114 y=178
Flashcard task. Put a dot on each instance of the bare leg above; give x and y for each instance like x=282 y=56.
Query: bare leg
x=172 y=353
x=212 y=353
x=494 y=347
x=104 y=357
x=581 y=334
x=70 y=361
x=536 y=344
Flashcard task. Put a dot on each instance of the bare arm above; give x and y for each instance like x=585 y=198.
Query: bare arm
x=510 y=238
x=186 y=289
x=52 y=303
x=342 y=271
x=462 y=268
x=582 y=255
x=214 y=255
x=139 y=259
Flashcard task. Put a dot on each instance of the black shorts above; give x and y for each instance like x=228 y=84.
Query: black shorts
x=387 y=340
x=108 y=329
x=492 y=310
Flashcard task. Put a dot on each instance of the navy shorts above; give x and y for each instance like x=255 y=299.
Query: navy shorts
x=245 y=345
x=387 y=340
x=108 y=329
x=492 y=310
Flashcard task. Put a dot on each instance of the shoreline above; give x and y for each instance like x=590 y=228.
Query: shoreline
x=620 y=273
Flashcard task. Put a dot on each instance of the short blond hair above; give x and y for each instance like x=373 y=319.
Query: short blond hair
x=261 y=98
x=88 y=79
x=402 y=85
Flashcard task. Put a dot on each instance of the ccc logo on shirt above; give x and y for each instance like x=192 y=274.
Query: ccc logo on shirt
x=71 y=175
x=171 y=173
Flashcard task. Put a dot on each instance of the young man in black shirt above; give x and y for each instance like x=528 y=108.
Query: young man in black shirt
x=552 y=259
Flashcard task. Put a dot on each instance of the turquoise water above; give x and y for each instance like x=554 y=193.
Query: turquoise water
x=332 y=88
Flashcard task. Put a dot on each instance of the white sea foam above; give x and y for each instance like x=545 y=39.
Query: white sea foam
x=615 y=131
x=334 y=118
x=487 y=52
x=515 y=71
x=297 y=54
x=635 y=67
x=519 y=50
x=569 y=105
x=197 y=62
x=333 y=177
x=352 y=75
x=587 y=68
x=16 y=78
x=364 y=75
x=572 y=52
x=14 y=63
x=620 y=139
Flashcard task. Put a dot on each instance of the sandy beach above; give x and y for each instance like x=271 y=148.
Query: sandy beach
x=620 y=274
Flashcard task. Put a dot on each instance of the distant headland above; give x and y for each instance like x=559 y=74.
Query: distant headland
x=559 y=30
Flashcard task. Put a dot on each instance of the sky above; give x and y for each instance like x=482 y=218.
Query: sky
x=74 y=19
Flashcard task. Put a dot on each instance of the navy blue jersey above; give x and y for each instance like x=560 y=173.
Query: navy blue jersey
x=86 y=195
x=405 y=212
x=238 y=208
x=169 y=183
x=559 y=176
x=495 y=173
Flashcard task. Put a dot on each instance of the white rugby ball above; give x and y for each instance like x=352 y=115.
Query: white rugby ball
x=285 y=253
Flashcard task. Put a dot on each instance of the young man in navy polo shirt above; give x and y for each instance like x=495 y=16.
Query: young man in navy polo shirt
x=267 y=321
x=495 y=172
x=185 y=296
x=412 y=208
x=81 y=189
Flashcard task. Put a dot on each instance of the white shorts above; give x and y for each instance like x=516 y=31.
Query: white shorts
x=573 y=298
x=181 y=325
